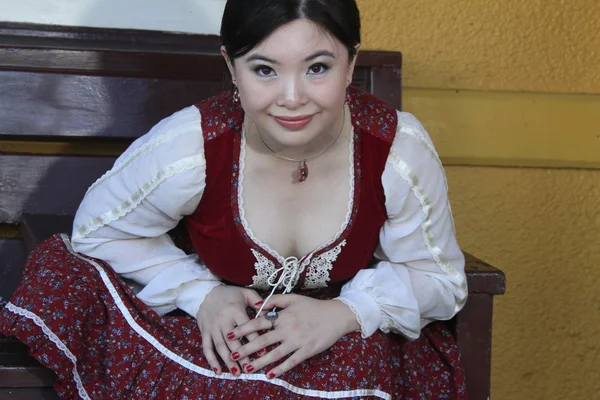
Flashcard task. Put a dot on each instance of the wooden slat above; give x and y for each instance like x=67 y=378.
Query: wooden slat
x=9 y=231
x=74 y=148
x=28 y=394
x=34 y=376
x=11 y=267
x=46 y=184
x=74 y=105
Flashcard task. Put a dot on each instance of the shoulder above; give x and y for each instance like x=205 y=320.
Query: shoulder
x=174 y=137
x=372 y=116
x=172 y=146
x=220 y=115
x=412 y=141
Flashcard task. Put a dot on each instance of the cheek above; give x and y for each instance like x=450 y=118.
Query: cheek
x=256 y=96
x=330 y=96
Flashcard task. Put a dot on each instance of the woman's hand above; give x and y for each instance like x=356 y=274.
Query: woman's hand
x=305 y=327
x=223 y=309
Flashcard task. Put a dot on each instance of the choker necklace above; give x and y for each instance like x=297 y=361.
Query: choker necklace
x=302 y=166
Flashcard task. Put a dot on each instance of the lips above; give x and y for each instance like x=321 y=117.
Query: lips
x=294 y=123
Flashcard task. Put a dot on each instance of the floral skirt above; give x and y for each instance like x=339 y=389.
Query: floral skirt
x=80 y=319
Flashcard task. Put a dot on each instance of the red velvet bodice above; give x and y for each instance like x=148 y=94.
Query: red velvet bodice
x=215 y=228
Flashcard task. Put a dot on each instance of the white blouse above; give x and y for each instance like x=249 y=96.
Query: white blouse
x=125 y=216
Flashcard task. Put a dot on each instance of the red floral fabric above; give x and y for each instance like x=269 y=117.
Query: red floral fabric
x=82 y=320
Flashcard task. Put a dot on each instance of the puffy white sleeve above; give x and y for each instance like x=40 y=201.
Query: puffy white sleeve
x=126 y=214
x=420 y=277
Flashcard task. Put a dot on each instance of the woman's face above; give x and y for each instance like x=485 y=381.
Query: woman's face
x=293 y=84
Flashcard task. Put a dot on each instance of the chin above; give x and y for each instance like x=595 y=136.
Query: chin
x=294 y=138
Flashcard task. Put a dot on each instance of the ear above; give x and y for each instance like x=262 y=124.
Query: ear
x=229 y=63
x=352 y=65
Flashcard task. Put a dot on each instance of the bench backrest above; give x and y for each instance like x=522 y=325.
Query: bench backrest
x=72 y=99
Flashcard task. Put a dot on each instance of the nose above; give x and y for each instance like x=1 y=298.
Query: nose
x=293 y=94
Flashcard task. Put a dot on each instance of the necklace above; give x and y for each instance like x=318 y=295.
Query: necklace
x=302 y=166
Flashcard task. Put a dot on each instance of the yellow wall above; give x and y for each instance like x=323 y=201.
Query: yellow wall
x=511 y=83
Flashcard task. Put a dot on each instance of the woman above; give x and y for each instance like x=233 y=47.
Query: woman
x=321 y=219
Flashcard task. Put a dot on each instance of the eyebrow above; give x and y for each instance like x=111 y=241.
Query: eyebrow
x=260 y=57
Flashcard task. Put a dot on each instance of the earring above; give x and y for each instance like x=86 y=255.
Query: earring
x=347 y=94
x=236 y=94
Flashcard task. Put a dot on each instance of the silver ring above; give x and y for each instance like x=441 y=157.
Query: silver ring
x=271 y=316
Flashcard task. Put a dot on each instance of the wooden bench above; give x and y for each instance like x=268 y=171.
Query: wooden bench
x=72 y=99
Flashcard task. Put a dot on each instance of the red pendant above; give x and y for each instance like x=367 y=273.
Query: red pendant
x=303 y=171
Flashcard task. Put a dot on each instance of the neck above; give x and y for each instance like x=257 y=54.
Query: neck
x=269 y=145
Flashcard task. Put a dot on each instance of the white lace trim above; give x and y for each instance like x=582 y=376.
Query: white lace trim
x=160 y=139
x=440 y=259
x=317 y=275
x=203 y=371
x=306 y=260
x=56 y=340
x=264 y=269
x=357 y=314
x=135 y=199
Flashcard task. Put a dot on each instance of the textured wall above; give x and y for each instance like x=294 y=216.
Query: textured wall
x=533 y=45
x=541 y=226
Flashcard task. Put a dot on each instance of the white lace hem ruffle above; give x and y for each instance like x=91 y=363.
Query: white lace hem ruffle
x=56 y=340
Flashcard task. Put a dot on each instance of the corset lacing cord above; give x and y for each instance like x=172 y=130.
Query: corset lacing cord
x=287 y=279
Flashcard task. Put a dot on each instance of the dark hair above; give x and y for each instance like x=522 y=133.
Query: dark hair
x=246 y=23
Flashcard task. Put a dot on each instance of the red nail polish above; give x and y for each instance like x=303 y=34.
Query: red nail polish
x=271 y=375
x=234 y=371
x=216 y=371
x=261 y=352
x=230 y=336
x=235 y=355
x=249 y=368
x=260 y=303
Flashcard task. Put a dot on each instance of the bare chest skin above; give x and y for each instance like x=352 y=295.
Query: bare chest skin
x=295 y=218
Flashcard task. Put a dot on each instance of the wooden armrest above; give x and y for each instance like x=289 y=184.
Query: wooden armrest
x=482 y=277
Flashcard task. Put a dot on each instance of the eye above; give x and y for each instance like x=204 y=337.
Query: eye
x=317 y=69
x=264 y=71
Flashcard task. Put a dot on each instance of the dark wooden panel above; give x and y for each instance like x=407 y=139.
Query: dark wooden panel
x=35 y=228
x=76 y=105
x=386 y=84
x=115 y=63
x=46 y=184
x=28 y=394
x=34 y=376
x=473 y=330
x=11 y=267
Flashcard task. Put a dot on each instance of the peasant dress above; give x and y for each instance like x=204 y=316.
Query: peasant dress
x=111 y=309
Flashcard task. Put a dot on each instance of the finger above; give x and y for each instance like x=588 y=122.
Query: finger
x=209 y=354
x=250 y=327
x=287 y=365
x=279 y=301
x=225 y=354
x=260 y=343
x=252 y=298
x=235 y=344
x=274 y=355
